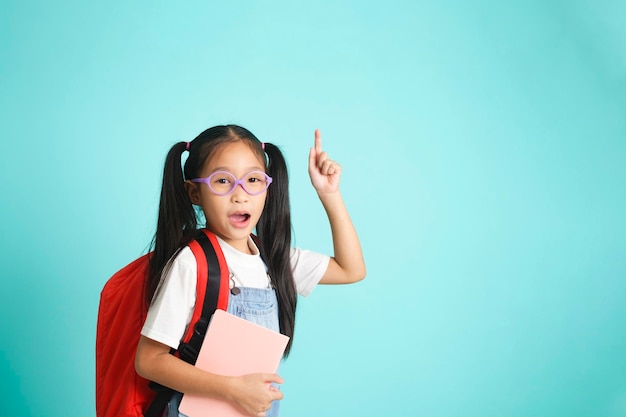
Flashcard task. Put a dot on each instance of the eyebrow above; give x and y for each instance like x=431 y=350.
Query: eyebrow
x=249 y=169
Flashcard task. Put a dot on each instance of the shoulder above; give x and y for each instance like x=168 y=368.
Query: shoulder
x=182 y=270
x=299 y=257
x=308 y=269
x=185 y=257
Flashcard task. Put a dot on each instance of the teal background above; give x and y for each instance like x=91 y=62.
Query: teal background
x=483 y=147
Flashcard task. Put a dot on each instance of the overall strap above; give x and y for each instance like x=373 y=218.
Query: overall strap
x=212 y=289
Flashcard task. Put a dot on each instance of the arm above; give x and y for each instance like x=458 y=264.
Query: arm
x=347 y=264
x=250 y=392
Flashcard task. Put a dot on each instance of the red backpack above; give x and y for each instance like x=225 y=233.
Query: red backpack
x=120 y=392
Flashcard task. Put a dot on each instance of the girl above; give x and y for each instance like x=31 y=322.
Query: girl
x=241 y=185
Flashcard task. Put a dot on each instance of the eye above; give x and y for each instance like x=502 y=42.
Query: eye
x=255 y=177
x=221 y=179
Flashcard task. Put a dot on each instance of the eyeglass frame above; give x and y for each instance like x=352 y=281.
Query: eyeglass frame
x=207 y=181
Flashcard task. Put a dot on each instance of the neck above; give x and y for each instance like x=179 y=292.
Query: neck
x=243 y=246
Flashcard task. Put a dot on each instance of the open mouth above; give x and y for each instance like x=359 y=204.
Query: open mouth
x=239 y=217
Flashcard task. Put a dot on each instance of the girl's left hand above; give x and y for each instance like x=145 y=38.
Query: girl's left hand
x=323 y=171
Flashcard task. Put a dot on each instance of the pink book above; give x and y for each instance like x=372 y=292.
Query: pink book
x=233 y=346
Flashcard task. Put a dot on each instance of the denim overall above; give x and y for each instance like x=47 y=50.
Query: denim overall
x=257 y=305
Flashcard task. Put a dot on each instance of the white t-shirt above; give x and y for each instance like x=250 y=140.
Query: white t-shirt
x=172 y=307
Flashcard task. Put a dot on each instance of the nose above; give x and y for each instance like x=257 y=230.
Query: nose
x=239 y=195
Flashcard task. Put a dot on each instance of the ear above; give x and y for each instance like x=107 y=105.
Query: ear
x=193 y=191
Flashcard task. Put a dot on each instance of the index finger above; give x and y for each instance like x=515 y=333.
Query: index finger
x=318 y=141
x=272 y=378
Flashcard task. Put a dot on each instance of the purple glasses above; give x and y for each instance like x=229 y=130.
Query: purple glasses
x=224 y=183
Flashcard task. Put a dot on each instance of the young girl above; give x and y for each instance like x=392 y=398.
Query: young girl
x=241 y=185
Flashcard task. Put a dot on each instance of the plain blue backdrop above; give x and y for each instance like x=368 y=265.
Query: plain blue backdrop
x=483 y=147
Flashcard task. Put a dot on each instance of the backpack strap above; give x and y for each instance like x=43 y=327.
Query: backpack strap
x=211 y=287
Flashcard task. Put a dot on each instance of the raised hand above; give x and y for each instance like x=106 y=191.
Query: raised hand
x=323 y=171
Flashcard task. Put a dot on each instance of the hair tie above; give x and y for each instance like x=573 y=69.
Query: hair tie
x=263 y=145
x=187 y=147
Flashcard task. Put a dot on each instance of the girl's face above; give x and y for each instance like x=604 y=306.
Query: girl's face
x=232 y=217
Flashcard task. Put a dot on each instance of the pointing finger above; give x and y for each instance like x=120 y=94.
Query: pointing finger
x=318 y=141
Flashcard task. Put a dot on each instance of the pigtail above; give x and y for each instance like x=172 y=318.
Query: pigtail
x=274 y=232
x=176 y=221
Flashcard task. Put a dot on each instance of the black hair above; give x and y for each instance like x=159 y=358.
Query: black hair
x=177 y=222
